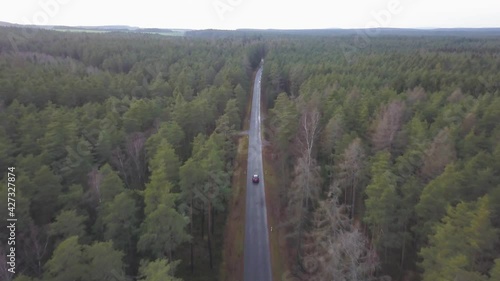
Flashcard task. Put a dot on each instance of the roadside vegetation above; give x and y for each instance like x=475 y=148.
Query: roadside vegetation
x=234 y=233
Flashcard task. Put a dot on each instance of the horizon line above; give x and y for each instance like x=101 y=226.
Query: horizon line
x=5 y=23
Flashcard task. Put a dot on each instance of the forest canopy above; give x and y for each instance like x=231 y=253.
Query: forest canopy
x=123 y=145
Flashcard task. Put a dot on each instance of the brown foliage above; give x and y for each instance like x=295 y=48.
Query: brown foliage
x=387 y=125
x=306 y=184
x=350 y=170
x=415 y=95
x=468 y=123
x=440 y=153
x=456 y=96
x=95 y=178
x=338 y=250
x=131 y=161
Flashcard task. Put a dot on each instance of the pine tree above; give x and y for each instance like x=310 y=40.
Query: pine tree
x=158 y=270
x=120 y=221
x=462 y=241
x=67 y=262
x=67 y=224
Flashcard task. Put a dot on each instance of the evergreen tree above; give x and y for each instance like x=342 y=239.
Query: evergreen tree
x=461 y=243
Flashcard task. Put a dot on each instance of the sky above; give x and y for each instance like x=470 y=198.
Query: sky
x=261 y=14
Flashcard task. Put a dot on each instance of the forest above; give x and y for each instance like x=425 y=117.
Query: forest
x=123 y=146
x=389 y=152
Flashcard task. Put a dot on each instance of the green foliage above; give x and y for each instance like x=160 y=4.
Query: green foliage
x=158 y=238
x=255 y=53
x=416 y=98
x=158 y=270
x=77 y=108
x=158 y=190
x=67 y=224
x=140 y=115
x=67 y=262
x=110 y=185
x=120 y=221
x=6 y=150
x=233 y=114
x=435 y=197
x=72 y=261
x=284 y=118
x=22 y=277
x=495 y=271
x=75 y=113
x=216 y=187
x=382 y=203
x=60 y=133
x=166 y=161
x=71 y=197
x=169 y=131
x=104 y=263
x=461 y=243
x=44 y=197
x=241 y=99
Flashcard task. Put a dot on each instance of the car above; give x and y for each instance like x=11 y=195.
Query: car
x=255 y=178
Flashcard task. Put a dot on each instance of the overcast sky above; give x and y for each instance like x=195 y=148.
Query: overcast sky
x=232 y=14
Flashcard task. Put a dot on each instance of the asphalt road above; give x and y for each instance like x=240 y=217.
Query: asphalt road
x=257 y=261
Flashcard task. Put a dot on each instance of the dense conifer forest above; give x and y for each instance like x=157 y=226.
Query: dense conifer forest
x=390 y=155
x=123 y=144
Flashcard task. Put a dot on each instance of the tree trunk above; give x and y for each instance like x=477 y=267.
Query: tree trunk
x=403 y=248
x=299 y=239
x=213 y=221
x=353 y=200
x=345 y=195
x=282 y=181
x=209 y=235
x=203 y=221
x=385 y=254
x=191 y=229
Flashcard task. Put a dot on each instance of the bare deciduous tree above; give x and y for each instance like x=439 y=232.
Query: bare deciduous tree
x=135 y=150
x=340 y=251
x=305 y=188
x=468 y=123
x=439 y=154
x=387 y=125
x=456 y=96
x=307 y=131
x=130 y=161
x=350 y=171
x=35 y=243
x=415 y=95
x=120 y=161
x=95 y=178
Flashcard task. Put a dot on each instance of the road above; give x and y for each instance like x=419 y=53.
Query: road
x=257 y=261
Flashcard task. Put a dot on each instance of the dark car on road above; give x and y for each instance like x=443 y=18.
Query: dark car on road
x=255 y=178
